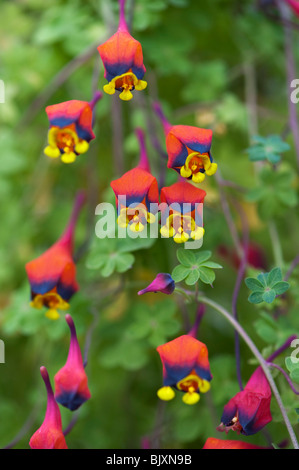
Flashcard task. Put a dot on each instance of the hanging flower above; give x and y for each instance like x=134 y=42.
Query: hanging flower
x=183 y=209
x=135 y=192
x=49 y=435
x=71 y=387
x=123 y=61
x=52 y=276
x=186 y=368
x=70 y=128
x=188 y=149
x=163 y=282
x=249 y=410
x=213 y=443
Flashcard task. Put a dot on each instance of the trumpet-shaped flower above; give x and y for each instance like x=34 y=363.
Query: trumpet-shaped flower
x=186 y=368
x=294 y=4
x=214 y=443
x=163 y=282
x=70 y=128
x=52 y=276
x=123 y=61
x=71 y=385
x=49 y=435
x=188 y=149
x=183 y=209
x=135 y=191
x=249 y=410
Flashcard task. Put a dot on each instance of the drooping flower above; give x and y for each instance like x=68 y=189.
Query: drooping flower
x=188 y=149
x=163 y=282
x=249 y=410
x=185 y=367
x=214 y=443
x=182 y=213
x=71 y=384
x=52 y=276
x=70 y=128
x=123 y=61
x=49 y=435
x=137 y=194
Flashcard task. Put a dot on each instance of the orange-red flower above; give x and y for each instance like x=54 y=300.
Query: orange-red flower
x=188 y=149
x=182 y=212
x=123 y=61
x=49 y=435
x=52 y=275
x=185 y=367
x=214 y=443
x=70 y=128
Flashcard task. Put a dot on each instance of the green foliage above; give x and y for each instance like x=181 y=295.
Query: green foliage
x=292 y=364
x=267 y=148
x=194 y=266
x=266 y=286
x=275 y=192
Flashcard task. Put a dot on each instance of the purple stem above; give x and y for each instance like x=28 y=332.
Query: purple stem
x=158 y=110
x=143 y=162
x=294 y=263
x=96 y=97
x=240 y=276
x=200 y=313
x=284 y=373
x=281 y=349
x=122 y=26
x=68 y=234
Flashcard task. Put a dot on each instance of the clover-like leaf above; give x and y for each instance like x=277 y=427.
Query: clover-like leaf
x=266 y=287
x=267 y=148
x=194 y=266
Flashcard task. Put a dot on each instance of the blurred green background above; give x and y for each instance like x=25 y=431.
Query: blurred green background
x=217 y=64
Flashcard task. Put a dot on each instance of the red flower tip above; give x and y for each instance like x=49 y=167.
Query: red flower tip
x=71 y=384
x=49 y=435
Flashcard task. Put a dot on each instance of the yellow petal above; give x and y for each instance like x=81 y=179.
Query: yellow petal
x=141 y=85
x=165 y=393
x=82 y=146
x=52 y=314
x=109 y=88
x=212 y=170
x=68 y=157
x=185 y=173
x=191 y=398
x=198 y=177
x=126 y=95
x=52 y=152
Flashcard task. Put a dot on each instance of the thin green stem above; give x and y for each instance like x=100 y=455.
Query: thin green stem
x=277 y=251
x=260 y=359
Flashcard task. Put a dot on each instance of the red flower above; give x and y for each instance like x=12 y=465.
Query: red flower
x=71 y=387
x=185 y=367
x=213 y=443
x=183 y=209
x=49 y=435
x=70 y=128
x=123 y=61
x=188 y=149
x=52 y=275
x=249 y=410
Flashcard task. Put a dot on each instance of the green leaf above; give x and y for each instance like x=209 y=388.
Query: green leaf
x=254 y=284
x=193 y=277
x=211 y=264
x=124 y=261
x=281 y=287
x=186 y=257
x=274 y=276
x=179 y=273
x=269 y=296
x=256 y=298
x=206 y=275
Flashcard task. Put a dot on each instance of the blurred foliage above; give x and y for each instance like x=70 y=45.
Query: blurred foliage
x=206 y=71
